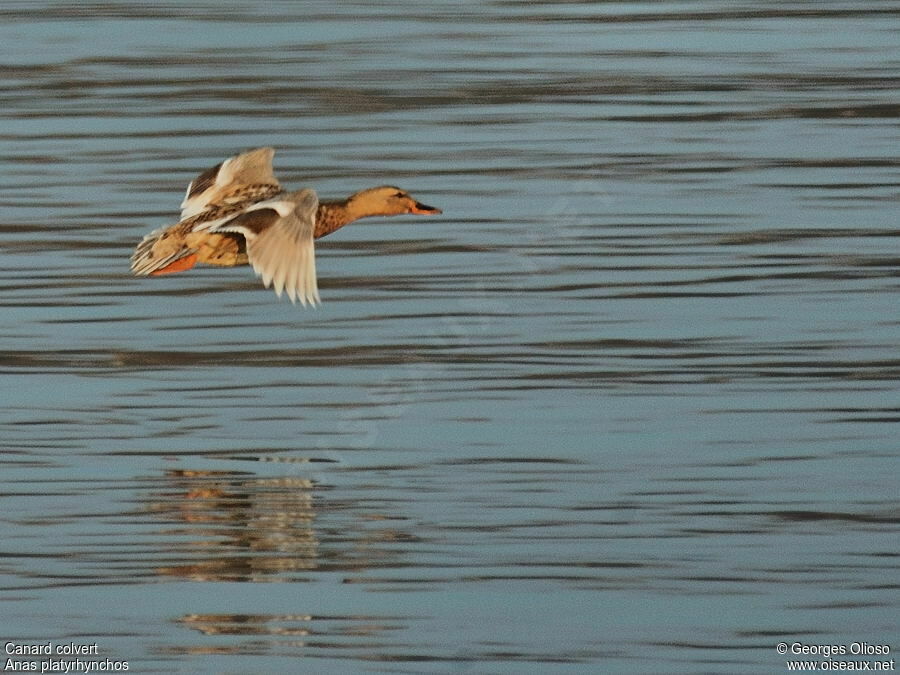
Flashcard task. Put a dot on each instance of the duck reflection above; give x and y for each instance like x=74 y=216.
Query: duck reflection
x=288 y=633
x=239 y=526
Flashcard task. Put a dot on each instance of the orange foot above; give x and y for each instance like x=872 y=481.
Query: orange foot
x=179 y=265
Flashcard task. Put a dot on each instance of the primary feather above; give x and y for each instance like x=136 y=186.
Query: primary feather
x=279 y=234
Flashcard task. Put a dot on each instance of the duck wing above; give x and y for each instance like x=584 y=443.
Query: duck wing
x=249 y=172
x=279 y=234
x=213 y=197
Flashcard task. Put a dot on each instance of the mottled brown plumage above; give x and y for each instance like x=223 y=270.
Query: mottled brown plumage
x=229 y=250
x=223 y=208
x=169 y=244
x=164 y=247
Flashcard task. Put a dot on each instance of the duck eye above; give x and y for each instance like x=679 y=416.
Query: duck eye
x=399 y=194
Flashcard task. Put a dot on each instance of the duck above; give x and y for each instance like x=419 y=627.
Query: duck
x=237 y=213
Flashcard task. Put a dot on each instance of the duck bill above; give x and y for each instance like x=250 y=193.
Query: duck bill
x=424 y=210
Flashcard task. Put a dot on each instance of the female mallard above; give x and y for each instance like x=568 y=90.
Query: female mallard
x=237 y=212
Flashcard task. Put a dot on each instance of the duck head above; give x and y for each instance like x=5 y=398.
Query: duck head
x=387 y=200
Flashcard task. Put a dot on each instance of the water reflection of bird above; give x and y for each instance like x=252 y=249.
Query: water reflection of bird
x=237 y=526
x=237 y=212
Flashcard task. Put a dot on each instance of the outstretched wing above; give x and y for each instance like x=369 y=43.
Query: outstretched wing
x=279 y=234
x=218 y=184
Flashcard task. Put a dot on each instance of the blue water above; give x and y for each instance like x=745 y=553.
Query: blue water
x=629 y=405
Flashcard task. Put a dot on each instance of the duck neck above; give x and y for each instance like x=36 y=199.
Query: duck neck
x=334 y=214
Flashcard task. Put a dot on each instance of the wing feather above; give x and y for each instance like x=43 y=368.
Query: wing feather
x=279 y=236
x=214 y=185
x=213 y=199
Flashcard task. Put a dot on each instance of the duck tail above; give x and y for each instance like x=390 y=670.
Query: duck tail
x=162 y=252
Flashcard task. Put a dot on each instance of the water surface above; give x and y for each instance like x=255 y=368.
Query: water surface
x=629 y=405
